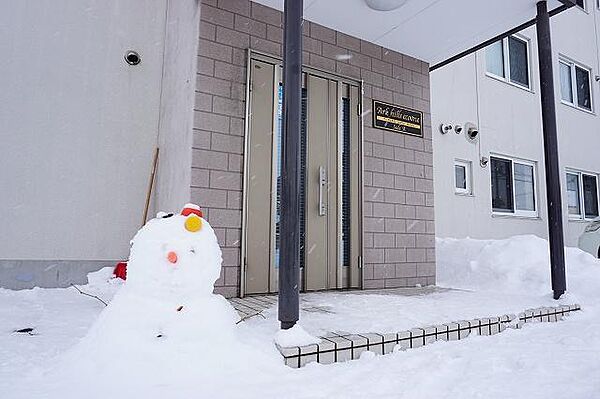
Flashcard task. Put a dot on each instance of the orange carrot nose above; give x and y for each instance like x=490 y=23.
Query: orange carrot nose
x=172 y=257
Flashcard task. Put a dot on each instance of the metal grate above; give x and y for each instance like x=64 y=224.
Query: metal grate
x=346 y=171
x=302 y=194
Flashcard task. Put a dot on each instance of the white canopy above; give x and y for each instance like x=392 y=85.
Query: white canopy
x=431 y=30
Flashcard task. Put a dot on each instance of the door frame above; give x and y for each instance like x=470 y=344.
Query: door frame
x=261 y=56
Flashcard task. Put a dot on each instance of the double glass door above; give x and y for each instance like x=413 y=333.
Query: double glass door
x=329 y=195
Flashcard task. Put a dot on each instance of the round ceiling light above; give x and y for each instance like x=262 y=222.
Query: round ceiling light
x=385 y=5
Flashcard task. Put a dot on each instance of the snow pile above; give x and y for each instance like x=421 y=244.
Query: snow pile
x=519 y=264
x=102 y=277
x=295 y=336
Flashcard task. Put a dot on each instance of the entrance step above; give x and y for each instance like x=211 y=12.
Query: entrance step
x=340 y=346
x=251 y=306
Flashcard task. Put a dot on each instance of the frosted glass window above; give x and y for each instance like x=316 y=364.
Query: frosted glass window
x=460 y=176
x=566 y=90
x=494 y=58
x=573 y=194
x=519 y=68
x=524 y=187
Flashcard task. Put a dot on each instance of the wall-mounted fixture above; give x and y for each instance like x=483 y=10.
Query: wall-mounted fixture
x=445 y=128
x=471 y=132
x=458 y=129
x=483 y=161
x=132 y=57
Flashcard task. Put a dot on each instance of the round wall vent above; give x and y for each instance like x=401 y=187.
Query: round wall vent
x=132 y=57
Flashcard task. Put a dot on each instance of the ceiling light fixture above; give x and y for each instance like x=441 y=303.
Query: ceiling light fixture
x=385 y=5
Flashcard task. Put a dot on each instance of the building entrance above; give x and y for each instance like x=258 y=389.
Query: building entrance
x=330 y=228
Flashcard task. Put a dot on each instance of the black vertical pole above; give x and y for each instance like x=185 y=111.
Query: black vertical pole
x=289 y=233
x=553 y=191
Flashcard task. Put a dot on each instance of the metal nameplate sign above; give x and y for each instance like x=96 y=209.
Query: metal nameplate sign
x=397 y=119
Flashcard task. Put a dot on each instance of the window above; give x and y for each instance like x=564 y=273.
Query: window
x=513 y=187
x=524 y=195
x=462 y=177
x=573 y=194
x=575 y=85
x=502 y=191
x=582 y=195
x=580 y=4
x=508 y=59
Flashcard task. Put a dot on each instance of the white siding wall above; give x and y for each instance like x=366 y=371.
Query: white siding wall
x=509 y=121
x=78 y=125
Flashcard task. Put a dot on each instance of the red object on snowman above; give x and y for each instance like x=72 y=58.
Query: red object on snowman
x=188 y=209
x=121 y=270
x=121 y=267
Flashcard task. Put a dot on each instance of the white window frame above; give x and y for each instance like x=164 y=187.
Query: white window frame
x=516 y=212
x=572 y=64
x=584 y=8
x=506 y=64
x=468 y=177
x=580 y=175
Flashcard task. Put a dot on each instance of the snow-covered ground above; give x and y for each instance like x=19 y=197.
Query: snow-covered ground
x=558 y=360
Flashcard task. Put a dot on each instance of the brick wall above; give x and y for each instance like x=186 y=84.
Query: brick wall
x=398 y=194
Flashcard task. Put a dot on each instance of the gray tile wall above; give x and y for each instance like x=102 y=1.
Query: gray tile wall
x=398 y=177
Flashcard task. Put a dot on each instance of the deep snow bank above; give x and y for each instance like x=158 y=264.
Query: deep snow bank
x=519 y=264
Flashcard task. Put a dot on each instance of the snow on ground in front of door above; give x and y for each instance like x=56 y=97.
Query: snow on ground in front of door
x=538 y=361
x=488 y=278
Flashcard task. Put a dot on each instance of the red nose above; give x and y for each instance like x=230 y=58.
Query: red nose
x=172 y=257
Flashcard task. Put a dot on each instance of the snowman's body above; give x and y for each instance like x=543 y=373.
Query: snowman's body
x=168 y=296
x=164 y=327
x=172 y=270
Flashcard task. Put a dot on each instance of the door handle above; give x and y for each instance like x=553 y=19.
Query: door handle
x=322 y=187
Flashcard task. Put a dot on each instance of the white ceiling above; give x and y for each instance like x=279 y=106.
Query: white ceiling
x=431 y=30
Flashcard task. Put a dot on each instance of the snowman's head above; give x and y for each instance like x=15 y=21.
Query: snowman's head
x=175 y=254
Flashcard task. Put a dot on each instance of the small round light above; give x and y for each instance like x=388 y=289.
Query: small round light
x=385 y=5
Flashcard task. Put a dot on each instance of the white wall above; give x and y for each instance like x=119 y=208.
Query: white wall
x=509 y=120
x=575 y=36
x=174 y=174
x=78 y=126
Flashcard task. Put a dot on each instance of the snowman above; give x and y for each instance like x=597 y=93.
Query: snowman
x=174 y=262
x=168 y=296
x=164 y=327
